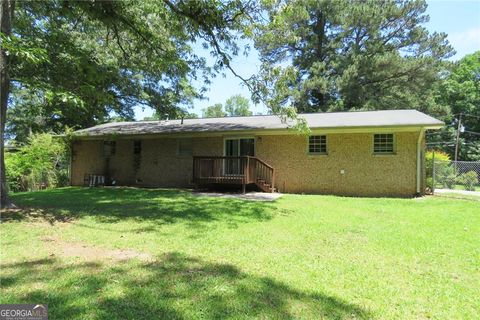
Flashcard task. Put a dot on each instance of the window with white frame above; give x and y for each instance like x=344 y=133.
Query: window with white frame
x=184 y=147
x=317 y=144
x=383 y=143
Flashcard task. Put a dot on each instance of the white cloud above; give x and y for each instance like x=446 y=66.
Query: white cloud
x=465 y=42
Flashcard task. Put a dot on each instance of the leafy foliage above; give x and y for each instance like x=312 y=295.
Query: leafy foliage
x=469 y=180
x=214 y=111
x=460 y=91
x=235 y=106
x=177 y=115
x=106 y=57
x=442 y=168
x=99 y=59
x=238 y=105
x=345 y=55
x=41 y=163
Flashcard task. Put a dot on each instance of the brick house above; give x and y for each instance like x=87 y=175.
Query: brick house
x=368 y=153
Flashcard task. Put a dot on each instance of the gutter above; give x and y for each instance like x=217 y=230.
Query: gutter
x=419 y=160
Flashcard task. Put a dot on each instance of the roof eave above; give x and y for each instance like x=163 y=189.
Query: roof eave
x=263 y=131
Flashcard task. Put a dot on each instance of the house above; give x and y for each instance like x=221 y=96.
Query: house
x=370 y=153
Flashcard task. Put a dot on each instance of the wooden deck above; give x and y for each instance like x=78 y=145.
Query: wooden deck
x=242 y=171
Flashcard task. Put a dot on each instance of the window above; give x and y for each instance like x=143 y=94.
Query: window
x=184 y=147
x=317 y=144
x=237 y=147
x=240 y=147
x=109 y=148
x=383 y=143
x=137 y=147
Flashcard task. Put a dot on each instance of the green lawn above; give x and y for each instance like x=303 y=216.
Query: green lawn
x=196 y=257
x=457 y=187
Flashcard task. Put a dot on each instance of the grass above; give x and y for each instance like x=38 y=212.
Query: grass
x=457 y=195
x=457 y=187
x=298 y=257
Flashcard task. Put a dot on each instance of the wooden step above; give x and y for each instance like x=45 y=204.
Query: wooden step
x=265 y=187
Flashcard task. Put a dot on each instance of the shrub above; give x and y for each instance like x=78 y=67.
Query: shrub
x=468 y=180
x=444 y=173
x=449 y=181
x=429 y=183
x=41 y=163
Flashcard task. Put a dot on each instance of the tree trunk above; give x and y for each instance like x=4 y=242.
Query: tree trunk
x=6 y=15
x=319 y=30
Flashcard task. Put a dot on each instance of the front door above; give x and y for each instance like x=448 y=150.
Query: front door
x=237 y=147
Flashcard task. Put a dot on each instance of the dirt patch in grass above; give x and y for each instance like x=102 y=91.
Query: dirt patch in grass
x=60 y=248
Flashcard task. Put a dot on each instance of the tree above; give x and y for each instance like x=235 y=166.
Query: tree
x=6 y=16
x=346 y=55
x=182 y=114
x=238 y=105
x=460 y=91
x=214 y=111
x=104 y=57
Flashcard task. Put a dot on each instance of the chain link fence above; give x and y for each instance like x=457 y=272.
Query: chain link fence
x=454 y=175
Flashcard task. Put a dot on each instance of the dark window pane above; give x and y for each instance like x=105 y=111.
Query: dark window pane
x=317 y=144
x=231 y=147
x=247 y=147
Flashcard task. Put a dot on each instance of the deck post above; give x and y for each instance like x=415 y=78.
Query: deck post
x=273 y=180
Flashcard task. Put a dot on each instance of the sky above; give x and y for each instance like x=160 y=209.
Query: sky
x=458 y=18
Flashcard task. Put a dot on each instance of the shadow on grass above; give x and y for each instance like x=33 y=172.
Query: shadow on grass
x=175 y=287
x=163 y=206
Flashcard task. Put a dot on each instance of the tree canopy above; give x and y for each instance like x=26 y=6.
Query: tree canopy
x=459 y=91
x=106 y=57
x=238 y=105
x=235 y=106
x=214 y=111
x=349 y=55
x=99 y=59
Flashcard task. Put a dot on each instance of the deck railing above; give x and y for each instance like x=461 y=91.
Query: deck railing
x=241 y=170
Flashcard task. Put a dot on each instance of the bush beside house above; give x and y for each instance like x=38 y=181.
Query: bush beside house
x=41 y=163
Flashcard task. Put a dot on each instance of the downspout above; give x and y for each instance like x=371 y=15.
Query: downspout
x=419 y=160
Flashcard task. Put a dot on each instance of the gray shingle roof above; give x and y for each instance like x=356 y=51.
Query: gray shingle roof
x=387 y=118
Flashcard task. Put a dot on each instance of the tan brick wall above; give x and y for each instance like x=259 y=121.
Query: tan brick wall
x=365 y=174
x=159 y=163
x=120 y=166
x=296 y=171
x=87 y=157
